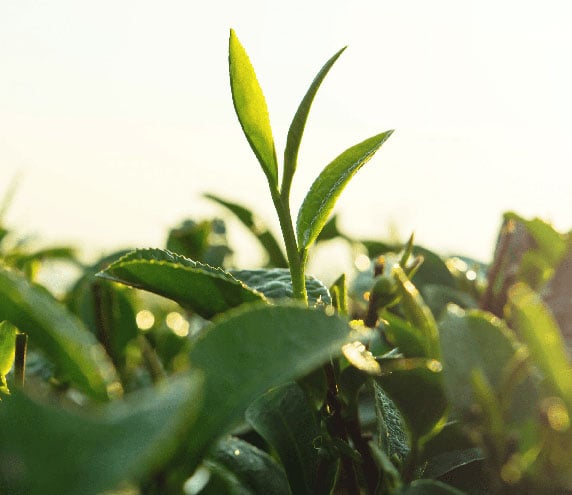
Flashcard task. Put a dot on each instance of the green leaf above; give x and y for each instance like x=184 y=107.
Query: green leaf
x=326 y=189
x=417 y=312
x=392 y=437
x=44 y=450
x=417 y=392
x=201 y=288
x=250 y=350
x=60 y=334
x=284 y=418
x=264 y=236
x=472 y=340
x=7 y=352
x=7 y=346
x=299 y=123
x=276 y=283
x=539 y=331
x=246 y=468
x=429 y=487
x=251 y=109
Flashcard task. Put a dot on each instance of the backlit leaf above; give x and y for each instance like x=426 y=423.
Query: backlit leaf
x=251 y=108
x=201 y=288
x=58 y=333
x=326 y=189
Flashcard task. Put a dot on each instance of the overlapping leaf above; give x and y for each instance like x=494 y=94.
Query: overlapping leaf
x=62 y=336
x=201 y=288
x=44 y=450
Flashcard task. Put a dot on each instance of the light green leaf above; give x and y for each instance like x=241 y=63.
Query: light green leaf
x=201 y=288
x=326 y=189
x=299 y=123
x=276 y=283
x=539 y=331
x=251 y=109
x=264 y=236
x=246 y=468
x=250 y=350
x=284 y=418
x=7 y=346
x=44 y=450
x=417 y=312
x=60 y=335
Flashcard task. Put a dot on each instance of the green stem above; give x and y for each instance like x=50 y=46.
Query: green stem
x=296 y=259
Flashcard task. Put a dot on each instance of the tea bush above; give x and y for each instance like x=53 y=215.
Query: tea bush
x=419 y=374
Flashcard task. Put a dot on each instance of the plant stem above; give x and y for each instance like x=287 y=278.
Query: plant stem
x=20 y=358
x=296 y=259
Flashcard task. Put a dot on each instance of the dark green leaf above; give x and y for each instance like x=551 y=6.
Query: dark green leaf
x=251 y=108
x=51 y=451
x=201 y=288
x=299 y=123
x=470 y=341
x=392 y=437
x=418 y=393
x=326 y=189
x=250 y=350
x=284 y=418
x=275 y=283
x=60 y=334
x=246 y=468
x=264 y=236
x=429 y=487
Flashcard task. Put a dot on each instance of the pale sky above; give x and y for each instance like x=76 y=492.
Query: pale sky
x=117 y=115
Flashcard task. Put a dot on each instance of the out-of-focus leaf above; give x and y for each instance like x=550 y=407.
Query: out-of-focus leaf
x=472 y=340
x=399 y=333
x=298 y=124
x=247 y=469
x=7 y=351
x=429 y=487
x=326 y=189
x=60 y=334
x=539 y=331
x=339 y=293
x=284 y=418
x=417 y=312
x=251 y=108
x=433 y=270
x=250 y=350
x=437 y=297
x=45 y=450
x=201 y=288
x=275 y=283
x=267 y=240
x=418 y=393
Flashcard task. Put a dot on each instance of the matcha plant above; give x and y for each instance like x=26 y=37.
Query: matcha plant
x=422 y=375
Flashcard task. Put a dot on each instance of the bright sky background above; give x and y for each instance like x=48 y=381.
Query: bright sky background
x=117 y=115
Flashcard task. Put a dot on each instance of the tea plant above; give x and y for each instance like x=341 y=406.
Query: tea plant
x=424 y=375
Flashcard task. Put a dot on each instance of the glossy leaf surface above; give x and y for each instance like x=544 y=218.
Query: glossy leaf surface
x=58 y=333
x=326 y=189
x=284 y=418
x=121 y=442
x=276 y=283
x=246 y=469
x=251 y=350
x=201 y=288
x=251 y=108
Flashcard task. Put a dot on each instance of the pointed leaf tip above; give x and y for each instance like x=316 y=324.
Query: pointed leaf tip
x=251 y=109
x=326 y=189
